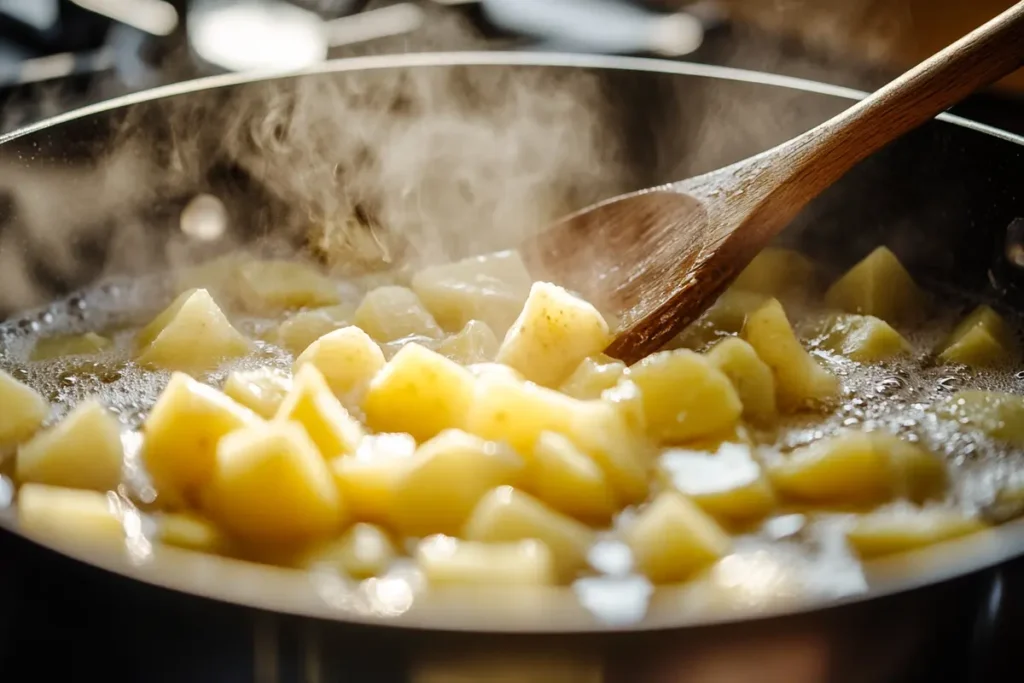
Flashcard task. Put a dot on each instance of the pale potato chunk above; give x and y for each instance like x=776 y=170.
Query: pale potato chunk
x=219 y=276
x=603 y=430
x=348 y=360
x=363 y=551
x=878 y=285
x=272 y=286
x=190 y=531
x=181 y=434
x=370 y=480
x=727 y=484
x=892 y=531
x=474 y=343
x=446 y=478
x=447 y=560
x=918 y=474
x=270 y=485
x=799 y=379
x=778 y=273
x=420 y=392
x=1000 y=415
x=750 y=375
x=864 y=338
x=22 y=410
x=196 y=337
x=506 y=514
x=71 y=345
x=147 y=334
x=982 y=339
x=83 y=451
x=261 y=391
x=684 y=395
x=301 y=329
x=672 y=538
x=311 y=404
x=554 y=332
x=491 y=288
x=568 y=480
x=76 y=515
x=725 y=317
x=391 y=348
x=390 y=313
x=594 y=375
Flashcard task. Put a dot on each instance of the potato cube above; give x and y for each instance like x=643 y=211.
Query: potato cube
x=76 y=515
x=878 y=285
x=390 y=313
x=592 y=376
x=190 y=531
x=181 y=433
x=982 y=339
x=83 y=451
x=149 y=332
x=751 y=377
x=684 y=395
x=363 y=551
x=778 y=273
x=506 y=514
x=369 y=481
x=725 y=317
x=555 y=331
x=303 y=328
x=728 y=484
x=71 y=345
x=474 y=343
x=447 y=560
x=918 y=475
x=311 y=404
x=568 y=480
x=261 y=391
x=799 y=379
x=844 y=469
x=603 y=430
x=864 y=338
x=420 y=392
x=348 y=360
x=272 y=286
x=892 y=531
x=446 y=478
x=270 y=485
x=1000 y=415
x=672 y=538
x=22 y=410
x=506 y=409
x=196 y=337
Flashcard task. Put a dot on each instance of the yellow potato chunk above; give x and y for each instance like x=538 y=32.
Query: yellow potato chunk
x=594 y=375
x=474 y=343
x=22 y=410
x=506 y=514
x=494 y=370
x=82 y=451
x=273 y=286
x=982 y=339
x=555 y=331
x=918 y=475
x=446 y=478
x=878 y=285
x=363 y=551
x=311 y=404
x=568 y=480
x=778 y=273
x=725 y=317
x=76 y=515
x=190 y=531
x=672 y=538
x=684 y=395
x=420 y=392
x=448 y=560
x=370 y=480
x=799 y=379
x=892 y=531
x=301 y=329
x=604 y=431
x=390 y=313
x=71 y=345
x=271 y=485
x=491 y=288
x=181 y=434
x=261 y=391
x=196 y=337
x=864 y=338
x=348 y=360
x=727 y=484
x=1000 y=415
x=751 y=377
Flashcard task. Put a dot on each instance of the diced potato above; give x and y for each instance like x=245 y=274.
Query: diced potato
x=77 y=515
x=603 y=431
x=594 y=375
x=491 y=288
x=311 y=404
x=301 y=329
x=778 y=273
x=190 y=531
x=864 y=338
x=892 y=531
x=363 y=551
x=799 y=379
x=261 y=391
x=83 y=451
x=196 y=336
x=728 y=484
x=271 y=485
x=726 y=316
x=181 y=434
x=446 y=478
x=390 y=313
x=1000 y=415
x=569 y=480
x=672 y=538
x=982 y=339
x=474 y=343
x=370 y=480
x=506 y=514
x=554 y=332
x=391 y=348
x=72 y=345
x=751 y=377
x=272 y=286
x=420 y=392
x=880 y=286
x=627 y=399
x=918 y=474
x=447 y=560
x=22 y=410
x=348 y=360
x=684 y=395
x=219 y=276
x=147 y=334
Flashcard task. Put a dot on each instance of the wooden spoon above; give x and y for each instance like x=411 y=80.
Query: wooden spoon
x=659 y=257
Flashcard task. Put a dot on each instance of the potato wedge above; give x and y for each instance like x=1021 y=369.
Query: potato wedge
x=348 y=360
x=195 y=337
x=447 y=560
x=390 y=313
x=750 y=376
x=311 y=404
x=982 y=339
x=22 y=410
x=878 y=285
x=261 y=391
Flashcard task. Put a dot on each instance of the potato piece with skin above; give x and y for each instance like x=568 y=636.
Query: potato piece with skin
x=270 y=485
x=301 y=329
x=728 y=484
x=390 y=313
x=474 y=343
x=420 y=392
x=75 y=515
x=191 y=531
x=311 y=404
x=878 y=285
x=506 y=514
x=363 y=551
x=750 y=375
x=982 y=339
x=447 y=560
x=1000 y=415
x=886 y=532
x=672 y=538
x=555 y=331
x=86 y=344
x=864 y=338
x=778 y=273
x=82 y=451
x=348 y=360
x=568 y=480
x=22 y=410
x=594 y=375
x=370 y=479
x=261 y=391
x=272 y=286
x=684 y=396
x=799 y=379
